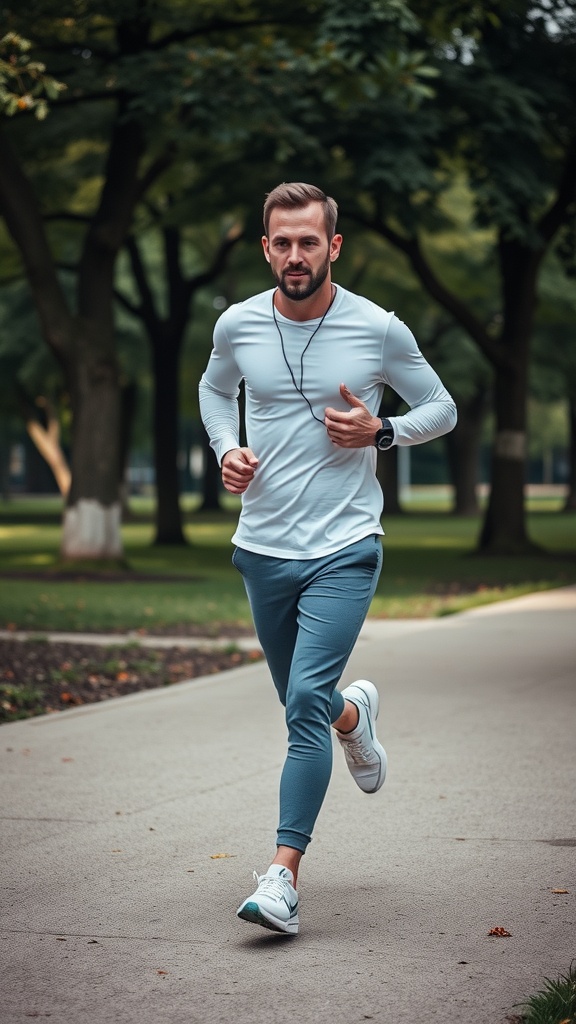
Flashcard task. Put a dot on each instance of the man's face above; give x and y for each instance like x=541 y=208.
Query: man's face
x=298 y=250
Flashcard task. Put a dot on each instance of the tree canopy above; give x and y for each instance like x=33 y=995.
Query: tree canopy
x=122 y=118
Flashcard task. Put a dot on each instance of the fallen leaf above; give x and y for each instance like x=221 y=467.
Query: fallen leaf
x=500 y=932
x=122 y=677
x=161 y=972
x=560 y=892
x=70 y=698
x=66 y=760
x=221 y=856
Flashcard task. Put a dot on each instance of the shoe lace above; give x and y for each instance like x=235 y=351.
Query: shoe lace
x=270 y=885
x=359 y=752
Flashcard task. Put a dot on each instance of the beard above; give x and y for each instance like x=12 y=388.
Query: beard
x=305 y=286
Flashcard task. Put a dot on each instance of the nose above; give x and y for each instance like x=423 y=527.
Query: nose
x=295 y=255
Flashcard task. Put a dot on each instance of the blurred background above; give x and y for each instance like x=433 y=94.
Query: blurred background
x=137 y=142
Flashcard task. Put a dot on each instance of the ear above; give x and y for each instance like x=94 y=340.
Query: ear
x=335 y=246
x=266 y=248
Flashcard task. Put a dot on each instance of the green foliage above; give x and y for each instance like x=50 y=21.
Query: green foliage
x=555 y=1004
x=17 y=702
x=24 y=84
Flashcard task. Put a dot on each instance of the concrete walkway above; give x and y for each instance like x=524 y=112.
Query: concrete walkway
x=131 y=828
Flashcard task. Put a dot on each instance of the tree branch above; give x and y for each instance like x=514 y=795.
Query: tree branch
x=434 y=286
x=72 y=99
x=221 y=25
x=554 y=218
x=24 y=222
x=147 y=311
x=155 y=170
x=68 y=268
x=232 y=236
x=129 y=306
x=74 y=218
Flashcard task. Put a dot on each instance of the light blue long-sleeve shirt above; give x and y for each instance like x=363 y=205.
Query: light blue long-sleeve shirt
x=310 y=497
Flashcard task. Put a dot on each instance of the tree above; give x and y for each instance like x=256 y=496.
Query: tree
x=501 y=114
x=140 y=83
x=553 y=371
x=166 y=333
x=31 y=386
x=83 y=339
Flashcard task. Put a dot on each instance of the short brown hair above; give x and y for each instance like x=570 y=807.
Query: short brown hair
x=293 y=195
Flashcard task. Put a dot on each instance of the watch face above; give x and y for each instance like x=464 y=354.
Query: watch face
x=384 y=440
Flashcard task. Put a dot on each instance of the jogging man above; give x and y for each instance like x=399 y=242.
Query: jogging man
x=314 y=359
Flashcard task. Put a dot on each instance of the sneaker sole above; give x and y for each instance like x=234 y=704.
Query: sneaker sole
x=251 y=912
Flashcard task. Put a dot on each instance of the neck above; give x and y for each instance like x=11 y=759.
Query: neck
x=314 y=306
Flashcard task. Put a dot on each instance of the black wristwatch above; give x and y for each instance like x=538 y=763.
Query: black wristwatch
x=385 y=436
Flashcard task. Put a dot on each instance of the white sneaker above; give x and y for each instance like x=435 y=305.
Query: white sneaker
x=365 y=756
x=274 y=905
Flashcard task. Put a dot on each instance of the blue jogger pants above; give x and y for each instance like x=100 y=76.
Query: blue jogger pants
x=308 y=614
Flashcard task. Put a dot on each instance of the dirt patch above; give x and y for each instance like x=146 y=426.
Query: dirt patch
x=40 y=676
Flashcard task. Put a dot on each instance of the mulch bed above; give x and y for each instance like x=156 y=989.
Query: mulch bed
x=41 y=676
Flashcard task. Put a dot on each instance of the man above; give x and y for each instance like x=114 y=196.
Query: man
x=314 y=359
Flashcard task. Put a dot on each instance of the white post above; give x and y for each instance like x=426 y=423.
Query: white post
x=404 y=479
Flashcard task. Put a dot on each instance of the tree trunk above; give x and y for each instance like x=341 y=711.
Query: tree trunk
x=387 y=473
x=128 y=399
x=91 y=528
x=4 y=459
x=84 y=342
x=463 y=451
x=504 y=528
x=387 y=462
x=166 y=355
x=211 y=479
x=570 y=503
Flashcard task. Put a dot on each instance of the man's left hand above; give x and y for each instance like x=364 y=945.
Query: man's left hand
x=355 y=428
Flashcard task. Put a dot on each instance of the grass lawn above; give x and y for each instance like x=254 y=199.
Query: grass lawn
x=429 y=569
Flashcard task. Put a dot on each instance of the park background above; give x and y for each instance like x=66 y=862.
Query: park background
x=136 y=146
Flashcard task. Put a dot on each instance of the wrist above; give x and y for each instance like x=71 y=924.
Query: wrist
x=384 y=434
x=227 y=453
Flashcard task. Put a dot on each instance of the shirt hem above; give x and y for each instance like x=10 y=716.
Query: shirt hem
x=304 y=556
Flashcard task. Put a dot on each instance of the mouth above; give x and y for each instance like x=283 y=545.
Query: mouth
x=296 y=275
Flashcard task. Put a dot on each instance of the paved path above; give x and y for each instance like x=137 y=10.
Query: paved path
x=130 y=830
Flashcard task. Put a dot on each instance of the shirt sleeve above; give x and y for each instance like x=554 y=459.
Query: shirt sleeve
x=432 y=409
x=218 y=393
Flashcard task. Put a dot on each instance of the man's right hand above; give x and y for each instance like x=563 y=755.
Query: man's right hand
x=238 y=468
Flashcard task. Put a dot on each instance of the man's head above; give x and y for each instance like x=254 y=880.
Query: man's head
x=294 y=195
x=300 y=243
